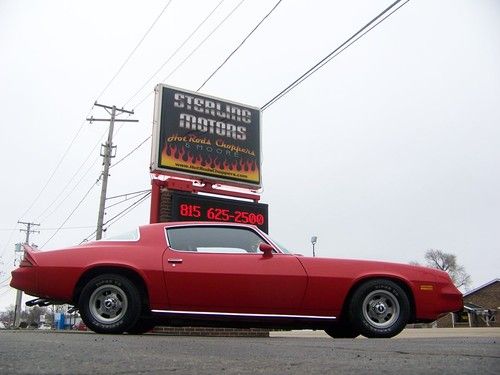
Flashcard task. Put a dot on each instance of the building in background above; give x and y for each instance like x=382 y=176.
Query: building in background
x=481 y=308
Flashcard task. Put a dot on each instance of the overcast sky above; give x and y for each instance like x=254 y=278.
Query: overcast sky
x=389 y=150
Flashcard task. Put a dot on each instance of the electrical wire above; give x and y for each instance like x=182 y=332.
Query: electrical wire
x=134 y=50
x=8 y=242
x=5 y=291
x=118 y=217
x=127 y=194
x=126 y=210
x=68 y=228
x=130 y=153
x=71 y=214
x=354 y=38
x=174 y=53
x=193 y=51
x=88 y=237
x=368 y=27
x=90 y=168
x=71 y=180
x=5 y=280
x=56 y=168
x=239 y=46
x=127 y=198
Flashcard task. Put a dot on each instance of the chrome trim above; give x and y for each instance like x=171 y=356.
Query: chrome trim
x=174 y=260
x=245 y=315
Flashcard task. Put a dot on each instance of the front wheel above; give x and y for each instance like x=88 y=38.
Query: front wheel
x=110 y=304
x=379 y=309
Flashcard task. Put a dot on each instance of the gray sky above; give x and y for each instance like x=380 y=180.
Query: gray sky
x=389 y=150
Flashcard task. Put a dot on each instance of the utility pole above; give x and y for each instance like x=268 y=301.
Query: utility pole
x=107 y=152
x=19 y=294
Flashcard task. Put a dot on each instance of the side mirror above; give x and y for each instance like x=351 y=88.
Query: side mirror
x=266 y=249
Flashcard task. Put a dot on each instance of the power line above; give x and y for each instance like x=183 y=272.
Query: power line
x=54 y=170
x=118 y=216
x=101 y=93
x=174 y=53
x=239 y=46
x=71 y=214
x=126 y=210
x=133 y=50
x=5 y=292
x=69 y=228
x=77 y=184
x=131 y=152
x=88 y=237
x=8 y=242
x=355 y=37
x=194 y=50
x=127 y=198
x=71 y=179
x=127 y=194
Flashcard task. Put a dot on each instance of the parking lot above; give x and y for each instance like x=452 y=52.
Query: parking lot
x=308 y=352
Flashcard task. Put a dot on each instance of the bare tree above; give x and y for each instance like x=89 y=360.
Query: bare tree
x=7 y=316
x=448 y=262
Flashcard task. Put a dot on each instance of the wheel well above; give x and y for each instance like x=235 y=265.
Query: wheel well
x=133 y=276
x=399 y=282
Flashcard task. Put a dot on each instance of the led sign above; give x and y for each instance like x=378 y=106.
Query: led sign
x=193 y=207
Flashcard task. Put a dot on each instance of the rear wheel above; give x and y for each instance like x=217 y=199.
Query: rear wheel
x=110 y=304
x=379 y=309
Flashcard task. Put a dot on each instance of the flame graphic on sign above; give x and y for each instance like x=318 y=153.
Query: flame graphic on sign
x=179 y=157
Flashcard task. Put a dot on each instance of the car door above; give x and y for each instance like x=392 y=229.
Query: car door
x=218 y=268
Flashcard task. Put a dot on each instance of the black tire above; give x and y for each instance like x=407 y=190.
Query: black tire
x=342 y=331
x=143 y=325
x=110 y=303
x=379 y=309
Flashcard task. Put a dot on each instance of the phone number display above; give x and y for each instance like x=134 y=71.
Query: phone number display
x=192 y=207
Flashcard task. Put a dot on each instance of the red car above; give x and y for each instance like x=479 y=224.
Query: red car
x=230 y=275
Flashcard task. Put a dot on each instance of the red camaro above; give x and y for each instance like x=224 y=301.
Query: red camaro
x=229 y=275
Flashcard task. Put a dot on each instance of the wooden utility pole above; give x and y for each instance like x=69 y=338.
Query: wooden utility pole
x=107 y=152
x=19 y=294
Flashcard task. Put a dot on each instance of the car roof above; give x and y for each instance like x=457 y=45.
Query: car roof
x=171 y=224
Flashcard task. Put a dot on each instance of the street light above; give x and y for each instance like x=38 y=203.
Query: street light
x=314 y=239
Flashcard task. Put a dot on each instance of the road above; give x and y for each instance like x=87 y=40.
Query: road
x=51 y=352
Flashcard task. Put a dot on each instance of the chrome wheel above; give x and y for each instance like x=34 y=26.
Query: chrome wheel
x=381 y=309
x=108 y=304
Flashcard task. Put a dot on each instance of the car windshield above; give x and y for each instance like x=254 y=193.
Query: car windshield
x=283 y=249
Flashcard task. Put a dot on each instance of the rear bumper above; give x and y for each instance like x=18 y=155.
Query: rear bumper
x=25 y=279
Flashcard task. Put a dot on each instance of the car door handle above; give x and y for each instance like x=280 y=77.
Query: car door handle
x=174 y=260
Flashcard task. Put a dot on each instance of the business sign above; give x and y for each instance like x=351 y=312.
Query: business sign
x=193 y=207
x=206 y=138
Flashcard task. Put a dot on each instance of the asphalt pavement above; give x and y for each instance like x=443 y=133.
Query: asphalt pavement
x=66 y=352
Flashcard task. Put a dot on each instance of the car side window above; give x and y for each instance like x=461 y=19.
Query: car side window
x=214 y=239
